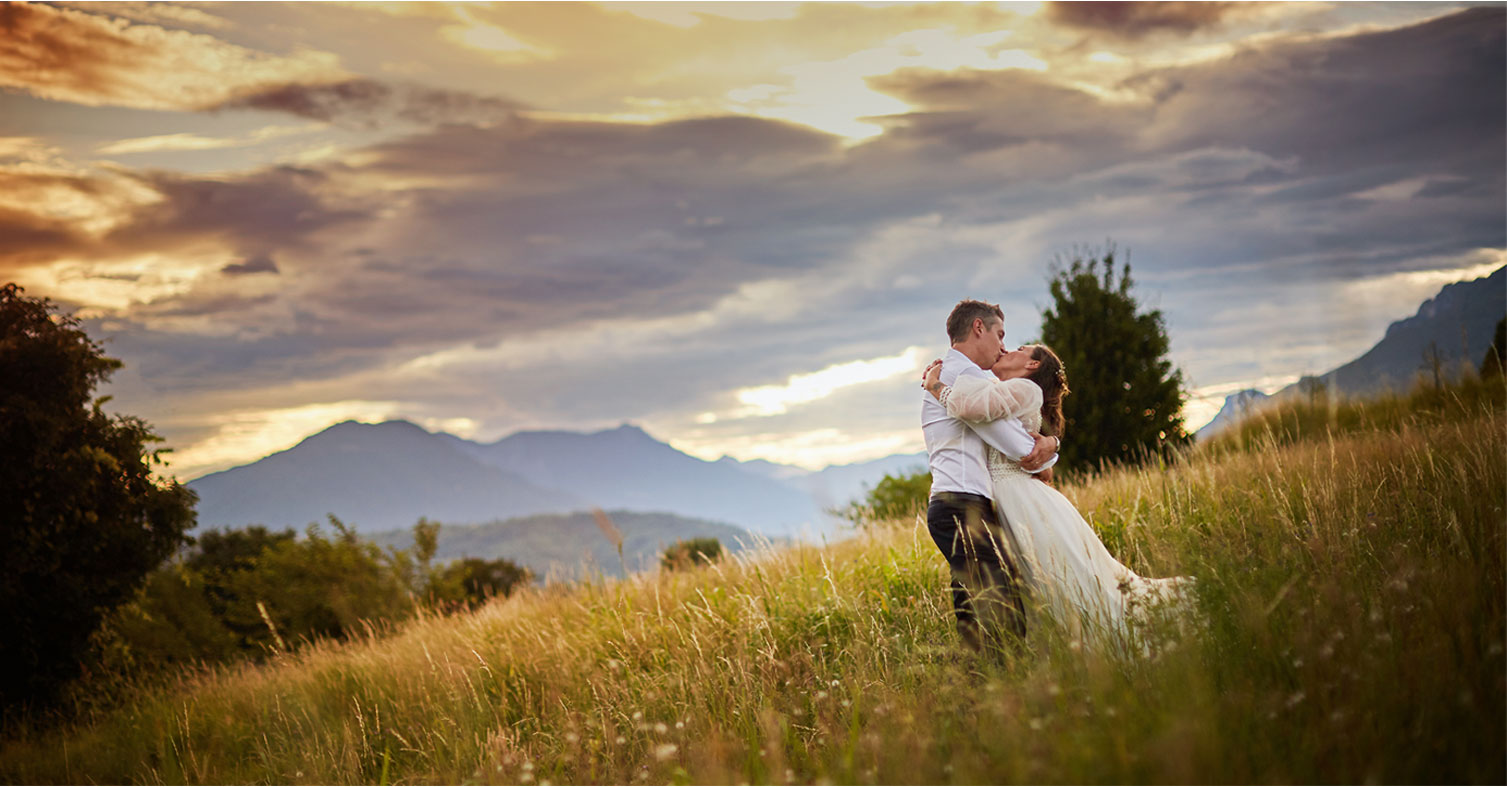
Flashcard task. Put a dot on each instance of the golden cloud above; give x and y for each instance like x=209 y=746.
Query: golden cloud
x=63 y=54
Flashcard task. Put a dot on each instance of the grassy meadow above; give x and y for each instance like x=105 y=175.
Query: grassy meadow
x=1350 y=591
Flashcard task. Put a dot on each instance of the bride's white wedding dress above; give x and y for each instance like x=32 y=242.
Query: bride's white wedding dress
x=1065 y=569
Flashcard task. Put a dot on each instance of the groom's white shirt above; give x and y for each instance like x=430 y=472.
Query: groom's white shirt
x=955 y=450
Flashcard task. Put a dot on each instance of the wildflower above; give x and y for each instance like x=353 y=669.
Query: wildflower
x=660 y=728
x=665 y=751
x=679 y=725
x=621 y=740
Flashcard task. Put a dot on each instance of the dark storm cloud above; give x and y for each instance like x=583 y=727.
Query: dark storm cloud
x=1137 y=19
x=368 y=103
x=1429 y=91
x=1331 y=119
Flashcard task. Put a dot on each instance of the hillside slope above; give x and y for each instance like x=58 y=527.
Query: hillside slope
x=571 y=545
x=1351 y=629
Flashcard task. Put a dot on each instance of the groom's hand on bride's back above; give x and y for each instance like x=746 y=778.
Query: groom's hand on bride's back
x=1045 y=447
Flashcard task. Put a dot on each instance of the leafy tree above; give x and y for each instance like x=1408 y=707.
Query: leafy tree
x=317 y=587
x=170 y=621
x=82 y=518
x=894 y=497
x=1496 y=354
x=218 y=558
x=1127 y=398
x=471 y=581
x=690 y=553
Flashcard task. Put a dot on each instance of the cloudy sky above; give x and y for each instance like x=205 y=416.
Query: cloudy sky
x=739 y=226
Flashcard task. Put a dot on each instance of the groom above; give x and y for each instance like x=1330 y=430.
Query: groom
x=961 y=518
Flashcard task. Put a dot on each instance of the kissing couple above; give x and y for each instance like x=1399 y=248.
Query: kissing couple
x=1017 y=549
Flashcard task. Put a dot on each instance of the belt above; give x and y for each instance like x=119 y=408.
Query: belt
x=958 y=498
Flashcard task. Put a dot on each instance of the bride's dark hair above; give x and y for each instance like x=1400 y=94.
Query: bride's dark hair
x=1053 y=381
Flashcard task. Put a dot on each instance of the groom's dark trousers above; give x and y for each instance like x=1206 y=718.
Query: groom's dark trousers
x=985 y=588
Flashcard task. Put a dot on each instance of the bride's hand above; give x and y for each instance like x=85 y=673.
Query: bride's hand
x=933 y=376
x=1043 y=450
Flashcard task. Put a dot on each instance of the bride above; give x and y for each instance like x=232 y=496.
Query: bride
x=1064 y=566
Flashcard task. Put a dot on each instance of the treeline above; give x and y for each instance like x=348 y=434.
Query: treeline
x=253 y=592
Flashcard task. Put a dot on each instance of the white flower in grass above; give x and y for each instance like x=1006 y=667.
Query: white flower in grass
x=665 y=751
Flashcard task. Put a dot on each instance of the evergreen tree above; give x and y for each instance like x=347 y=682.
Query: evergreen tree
x=82 y=518
x=1127 y=399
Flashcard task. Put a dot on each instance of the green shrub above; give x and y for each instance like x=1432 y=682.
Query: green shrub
x=683 y=555
x=471 y=581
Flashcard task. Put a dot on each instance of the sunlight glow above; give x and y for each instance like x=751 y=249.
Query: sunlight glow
x=115 y=285
x=802 y=388
x=689 y=14
x=835 y=96
x=199 y=142
x=483 y=37
x=1406 y=289
x=243 y=436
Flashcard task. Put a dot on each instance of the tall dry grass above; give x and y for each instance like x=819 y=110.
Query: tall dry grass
x=1351 y=592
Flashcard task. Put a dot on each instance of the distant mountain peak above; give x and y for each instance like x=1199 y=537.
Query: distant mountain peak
x=394 y=424
x=628 y=430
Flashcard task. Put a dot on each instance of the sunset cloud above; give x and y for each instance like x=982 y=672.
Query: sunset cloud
x=68 y=55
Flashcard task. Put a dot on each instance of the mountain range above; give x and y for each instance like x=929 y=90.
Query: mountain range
x=384 y=477
x=1452 y=329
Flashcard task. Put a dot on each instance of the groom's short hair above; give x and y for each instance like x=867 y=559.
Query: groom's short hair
x=960 y=322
